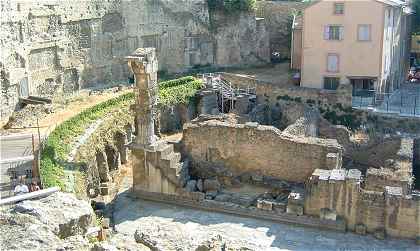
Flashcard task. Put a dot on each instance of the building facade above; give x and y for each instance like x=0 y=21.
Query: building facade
x=364 y=43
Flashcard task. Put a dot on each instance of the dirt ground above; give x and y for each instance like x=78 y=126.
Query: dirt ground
x=63 y=112
x=179 y=228
x=278 y=74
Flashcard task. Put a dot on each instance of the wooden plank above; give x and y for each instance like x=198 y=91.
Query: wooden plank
x=31 y=101
x=45 y=100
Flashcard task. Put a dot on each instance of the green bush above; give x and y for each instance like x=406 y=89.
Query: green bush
x=58 y=144
x=232 y=6
x=176 y=82
x=177 y=94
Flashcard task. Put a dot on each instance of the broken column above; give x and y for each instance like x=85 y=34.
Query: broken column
x=143 y=64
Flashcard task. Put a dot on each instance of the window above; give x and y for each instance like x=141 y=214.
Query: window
x=363 y=32
x=331 y=83
x=338 y=8
x=332 y=62
x=333 y=32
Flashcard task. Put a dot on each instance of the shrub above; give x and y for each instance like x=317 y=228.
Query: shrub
x=232 y=6
x=58 y=144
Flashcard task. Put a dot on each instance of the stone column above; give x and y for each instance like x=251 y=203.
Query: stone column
x=144 y=65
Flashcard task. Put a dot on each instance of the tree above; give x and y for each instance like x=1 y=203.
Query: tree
x=416 y=19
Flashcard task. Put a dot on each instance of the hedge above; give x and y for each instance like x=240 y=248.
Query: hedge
x=59 y=142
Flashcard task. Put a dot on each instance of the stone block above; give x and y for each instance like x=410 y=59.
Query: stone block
x=223 y=198
x=332 y=161
x=267 y=196
x=210 y=195
x=360 y=229
x=191 y=186
x=236 y=182
x=105 y=189
x=295 y=203
x=200 y=185
x=197 y=196
x=327 y=214
x=418 y=240
x=211 y=185
x=106 y=222
x=379 y=234
x=242 y=200
x=245 y=177
x=251 y=125
x=279 y=207
x=265 y=205
x=257 y=178
x=294 y=209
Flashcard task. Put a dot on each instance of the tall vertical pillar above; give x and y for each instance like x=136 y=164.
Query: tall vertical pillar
x=143 y=63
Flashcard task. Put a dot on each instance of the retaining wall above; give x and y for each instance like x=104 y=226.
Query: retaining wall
x=258 y=149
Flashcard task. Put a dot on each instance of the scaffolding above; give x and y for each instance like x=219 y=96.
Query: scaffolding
x=227 y=92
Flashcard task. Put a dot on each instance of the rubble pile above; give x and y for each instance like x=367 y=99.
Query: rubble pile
x=56 y=222
x=27 y=116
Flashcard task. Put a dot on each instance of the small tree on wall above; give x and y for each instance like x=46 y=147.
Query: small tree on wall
x=416 y=19
x=232 y=6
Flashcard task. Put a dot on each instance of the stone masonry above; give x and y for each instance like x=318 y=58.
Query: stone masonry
x=156 y=167
x=254 y=148
x=343 y=194
x=55 y=48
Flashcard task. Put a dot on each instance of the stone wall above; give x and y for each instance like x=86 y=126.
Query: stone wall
x=173 y=118
x=104 y=151
x=271 y=93
x=54 y=48
x=416 y=163
x=258 y=149
x=342 y=193
x=278 y=17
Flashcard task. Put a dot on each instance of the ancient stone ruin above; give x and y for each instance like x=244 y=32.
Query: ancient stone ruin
x=300 y=174
x=156 y=166
x=51 y=49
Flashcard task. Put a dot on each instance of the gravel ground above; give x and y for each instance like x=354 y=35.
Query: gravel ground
x=177 y=228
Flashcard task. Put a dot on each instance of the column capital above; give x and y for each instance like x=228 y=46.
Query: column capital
x=143 y=61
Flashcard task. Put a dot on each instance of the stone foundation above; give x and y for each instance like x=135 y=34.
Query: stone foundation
x=257 y=149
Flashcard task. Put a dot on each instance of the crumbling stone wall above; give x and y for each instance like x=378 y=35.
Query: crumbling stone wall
x=260 y=149
x=173 y=118
x=68 y=45
x=388 y=212
x=271 y=93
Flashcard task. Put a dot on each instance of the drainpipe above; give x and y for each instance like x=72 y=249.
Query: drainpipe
x=291 y=42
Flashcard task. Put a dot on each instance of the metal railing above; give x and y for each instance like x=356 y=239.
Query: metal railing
x=227 y=92
x=401 y=102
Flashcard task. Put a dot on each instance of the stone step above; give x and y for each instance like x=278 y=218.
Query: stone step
x=164 y=150
x=173 y=156
x=170 y=161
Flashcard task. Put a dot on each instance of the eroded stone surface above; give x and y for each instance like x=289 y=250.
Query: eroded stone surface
x=42 y=224
x=176 y=227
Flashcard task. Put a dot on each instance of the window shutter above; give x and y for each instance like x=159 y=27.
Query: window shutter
x=341 y=30
x=326 y=32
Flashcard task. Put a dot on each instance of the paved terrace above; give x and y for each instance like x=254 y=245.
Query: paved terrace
x=403 y=102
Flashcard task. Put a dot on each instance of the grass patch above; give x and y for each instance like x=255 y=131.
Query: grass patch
x=59 y=142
